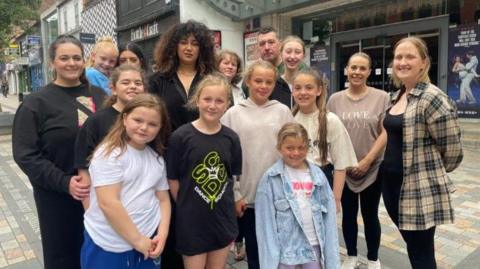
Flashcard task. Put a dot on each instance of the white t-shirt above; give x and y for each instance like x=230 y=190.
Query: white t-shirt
x=141 y=173
x=340 y=149
x=302 y=185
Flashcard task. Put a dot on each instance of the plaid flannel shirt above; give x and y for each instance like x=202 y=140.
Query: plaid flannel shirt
x=431 y=148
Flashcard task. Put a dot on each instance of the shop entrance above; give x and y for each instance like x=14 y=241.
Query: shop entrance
x=378 y=42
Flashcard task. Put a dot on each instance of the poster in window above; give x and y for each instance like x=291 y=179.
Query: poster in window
x=251 y=51
x=463 y=76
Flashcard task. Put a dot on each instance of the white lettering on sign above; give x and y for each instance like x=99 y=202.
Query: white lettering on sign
x=144 y=31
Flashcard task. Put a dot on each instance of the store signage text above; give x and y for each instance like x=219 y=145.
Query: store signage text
x=144 y=31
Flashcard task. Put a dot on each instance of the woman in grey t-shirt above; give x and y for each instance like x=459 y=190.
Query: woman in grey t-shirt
x=361 y=109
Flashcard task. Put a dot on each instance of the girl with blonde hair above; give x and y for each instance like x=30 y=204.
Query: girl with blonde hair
x=101 y=62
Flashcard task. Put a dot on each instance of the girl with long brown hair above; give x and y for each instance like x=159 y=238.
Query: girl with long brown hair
x=330 y=146
x=127 y=221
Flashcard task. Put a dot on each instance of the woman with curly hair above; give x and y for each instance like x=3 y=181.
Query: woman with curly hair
x=183 y=56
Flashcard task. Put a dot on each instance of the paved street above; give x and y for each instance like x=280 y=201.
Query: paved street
x=457 y=246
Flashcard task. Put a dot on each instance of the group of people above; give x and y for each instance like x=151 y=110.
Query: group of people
x=170 y=171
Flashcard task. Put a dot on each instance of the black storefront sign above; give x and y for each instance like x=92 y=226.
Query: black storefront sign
x=87 y=38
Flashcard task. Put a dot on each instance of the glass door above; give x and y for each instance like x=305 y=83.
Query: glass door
x=380 y=50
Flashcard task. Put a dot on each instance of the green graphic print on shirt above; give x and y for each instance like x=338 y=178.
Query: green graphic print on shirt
x=211 y=177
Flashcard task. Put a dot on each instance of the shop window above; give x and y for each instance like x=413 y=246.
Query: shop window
x=364 y=22
x=349 y=25
x=425 y=11
x=408 y=14
x=380 y=18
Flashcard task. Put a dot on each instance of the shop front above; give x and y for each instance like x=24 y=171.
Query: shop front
x=374 y=27
x=144 y=23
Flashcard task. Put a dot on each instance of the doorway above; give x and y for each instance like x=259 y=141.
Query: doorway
x=378 y=43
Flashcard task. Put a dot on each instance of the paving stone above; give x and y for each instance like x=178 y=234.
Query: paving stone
x=12 y=254
x=10 y=244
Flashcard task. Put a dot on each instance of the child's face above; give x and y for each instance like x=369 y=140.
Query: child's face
x=129 y=84
x=228 y=67
x=292 y=55
x=142 y=125
x=212 y=103
x=305 y=92
x=128 y=57
x=294 y=151
x=104 y=60
x=261 y=84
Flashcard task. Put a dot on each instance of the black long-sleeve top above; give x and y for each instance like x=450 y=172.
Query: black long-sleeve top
x=44 y=131
x=172 y=92
x=92 y=133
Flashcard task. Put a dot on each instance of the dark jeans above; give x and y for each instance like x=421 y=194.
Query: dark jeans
x=247 y=224
x=420 y=244
x=369 y=201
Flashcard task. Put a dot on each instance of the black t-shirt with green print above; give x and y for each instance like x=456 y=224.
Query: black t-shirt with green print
x=205 y=209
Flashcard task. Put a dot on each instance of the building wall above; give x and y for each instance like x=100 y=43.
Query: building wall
x=100 y=19
x=48 y=12
x=69 y=16
x=232 y=32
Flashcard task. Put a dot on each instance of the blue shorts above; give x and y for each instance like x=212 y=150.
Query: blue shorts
x=94 y=257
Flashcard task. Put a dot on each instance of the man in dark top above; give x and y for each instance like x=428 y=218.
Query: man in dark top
x=269 y=49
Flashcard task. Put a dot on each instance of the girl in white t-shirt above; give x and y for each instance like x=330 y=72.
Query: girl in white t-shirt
x=127 y=222
x=294 y=209
x=330 y=146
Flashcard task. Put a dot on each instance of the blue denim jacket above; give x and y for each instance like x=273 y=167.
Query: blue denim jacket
x=279 y=226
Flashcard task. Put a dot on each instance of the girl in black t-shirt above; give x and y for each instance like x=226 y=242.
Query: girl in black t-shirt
x=202 y=159
x=126 y=82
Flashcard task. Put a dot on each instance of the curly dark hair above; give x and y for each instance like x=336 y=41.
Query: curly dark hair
x=166 y=57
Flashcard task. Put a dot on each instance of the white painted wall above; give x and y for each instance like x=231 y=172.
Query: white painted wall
x=232 y=32
x=66 y=12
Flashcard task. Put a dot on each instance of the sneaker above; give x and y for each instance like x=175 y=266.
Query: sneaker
x=351 y=262
x=374 y=264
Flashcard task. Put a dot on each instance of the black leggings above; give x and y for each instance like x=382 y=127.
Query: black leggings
x=369 y=201
x=420 y=244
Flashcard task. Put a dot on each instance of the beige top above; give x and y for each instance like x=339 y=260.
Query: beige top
x=362 y=119
x=340 y=149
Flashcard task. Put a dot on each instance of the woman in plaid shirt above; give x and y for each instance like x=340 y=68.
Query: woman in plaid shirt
x=423 y=145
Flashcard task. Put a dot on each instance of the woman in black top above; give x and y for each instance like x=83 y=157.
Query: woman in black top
x=184 y=54
x=44 y=132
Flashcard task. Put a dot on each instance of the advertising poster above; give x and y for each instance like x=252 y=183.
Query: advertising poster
x=463 y=76
x=250 y=43
x=319 y=60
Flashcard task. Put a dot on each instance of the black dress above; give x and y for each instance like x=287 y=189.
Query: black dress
x=44 y=131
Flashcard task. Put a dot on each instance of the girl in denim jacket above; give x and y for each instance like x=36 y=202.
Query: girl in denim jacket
x=295 y=209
